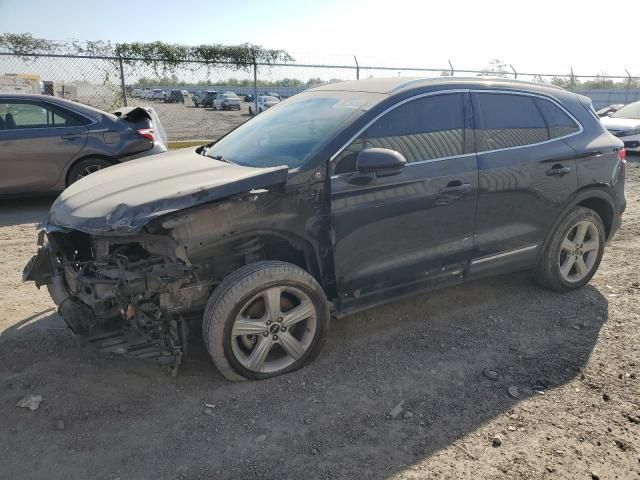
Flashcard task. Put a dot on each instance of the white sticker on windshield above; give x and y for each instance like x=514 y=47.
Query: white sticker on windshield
x=353 y=103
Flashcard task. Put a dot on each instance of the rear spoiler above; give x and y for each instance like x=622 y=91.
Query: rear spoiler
x=133 y=114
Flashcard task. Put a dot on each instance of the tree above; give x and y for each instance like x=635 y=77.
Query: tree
x=599 y=82
x=166 y=56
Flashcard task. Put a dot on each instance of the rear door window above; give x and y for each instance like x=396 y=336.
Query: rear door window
x=424 y=129
x=63 y=118
x=508 y=120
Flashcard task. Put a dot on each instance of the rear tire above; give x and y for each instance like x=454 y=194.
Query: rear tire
x=265 y=319
x=574 y=251
x=86 y=167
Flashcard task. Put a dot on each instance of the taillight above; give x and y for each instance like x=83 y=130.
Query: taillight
x=146 y=133
x=622 y=155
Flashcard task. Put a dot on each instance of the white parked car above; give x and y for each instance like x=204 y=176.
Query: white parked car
x=158 y=94
x=264 y=102
x=625 y=124
x=226 y=101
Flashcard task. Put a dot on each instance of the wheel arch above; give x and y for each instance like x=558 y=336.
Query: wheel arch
x=273 y=244
x=293 y=244
x=594 y=198
x=72 y=164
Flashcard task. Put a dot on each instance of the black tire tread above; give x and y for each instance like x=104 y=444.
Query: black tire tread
x=546 y=271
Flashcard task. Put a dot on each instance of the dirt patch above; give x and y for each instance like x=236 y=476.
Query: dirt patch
x=185 y=122
x=574 y=359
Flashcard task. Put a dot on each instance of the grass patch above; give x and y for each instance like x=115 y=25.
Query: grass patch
x=186 y=143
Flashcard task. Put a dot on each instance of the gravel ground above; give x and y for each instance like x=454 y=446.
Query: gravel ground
x=185 y=122
x=574 y=358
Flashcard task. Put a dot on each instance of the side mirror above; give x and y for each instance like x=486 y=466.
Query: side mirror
x=609 y=114
x=380 y=161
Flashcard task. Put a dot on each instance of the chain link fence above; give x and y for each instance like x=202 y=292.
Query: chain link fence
x=187 y=111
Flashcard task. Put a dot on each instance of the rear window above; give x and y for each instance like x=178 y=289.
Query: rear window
x=507 y=121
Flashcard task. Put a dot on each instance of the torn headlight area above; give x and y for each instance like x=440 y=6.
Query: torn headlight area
x=124 y=294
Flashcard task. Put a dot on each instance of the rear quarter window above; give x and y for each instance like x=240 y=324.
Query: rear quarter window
x=560 y=124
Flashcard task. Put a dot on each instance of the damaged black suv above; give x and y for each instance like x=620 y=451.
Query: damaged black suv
x=337 y=199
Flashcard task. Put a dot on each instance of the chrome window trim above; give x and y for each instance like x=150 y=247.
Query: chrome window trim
x=505 y=253
x=49 y=104
x=543 y=97
x=461 y=90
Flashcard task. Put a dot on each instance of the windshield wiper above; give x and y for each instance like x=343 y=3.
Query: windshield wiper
x=220 y=158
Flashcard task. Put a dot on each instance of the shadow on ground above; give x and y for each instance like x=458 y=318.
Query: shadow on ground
x=329 y=420
x=17 y=211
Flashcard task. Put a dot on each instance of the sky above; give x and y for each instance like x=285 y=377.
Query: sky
x=535 y=36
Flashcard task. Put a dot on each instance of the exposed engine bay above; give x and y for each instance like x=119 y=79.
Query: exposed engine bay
x=131 y=294
x=123 y=298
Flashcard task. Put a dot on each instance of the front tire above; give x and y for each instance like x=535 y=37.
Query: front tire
x=574 y=251
x=265 y=319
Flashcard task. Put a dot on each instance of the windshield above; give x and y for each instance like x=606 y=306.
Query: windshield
x=289 y=133
x=629 y=111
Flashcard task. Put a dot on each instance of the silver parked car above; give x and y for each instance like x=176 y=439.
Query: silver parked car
x=47 y=143
x=226 y=101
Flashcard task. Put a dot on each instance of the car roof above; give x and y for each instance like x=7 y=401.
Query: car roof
x=63 y=102
x=393 y=85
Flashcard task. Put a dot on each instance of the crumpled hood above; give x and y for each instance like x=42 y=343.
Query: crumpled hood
x=125 y=197
x=620 y=124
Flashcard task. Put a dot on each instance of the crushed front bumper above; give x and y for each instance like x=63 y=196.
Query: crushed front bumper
x=129 y=305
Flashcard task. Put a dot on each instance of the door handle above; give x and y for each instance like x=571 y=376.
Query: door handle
x=455 y=187
x=71 y=136
x=558 y=170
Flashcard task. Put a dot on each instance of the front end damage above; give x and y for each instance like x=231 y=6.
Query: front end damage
x=123 y=294
x=132 y=293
